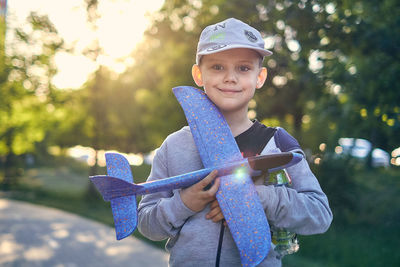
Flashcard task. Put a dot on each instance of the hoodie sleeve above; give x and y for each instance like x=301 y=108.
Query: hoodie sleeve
x=302 y=208
x=162 y=214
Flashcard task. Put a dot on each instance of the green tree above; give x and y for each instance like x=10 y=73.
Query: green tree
x=321 y=55
x=26 y=93
x=92 y=101
x=362 y=62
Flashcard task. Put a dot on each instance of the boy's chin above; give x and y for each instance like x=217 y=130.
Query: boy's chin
x=232 y=108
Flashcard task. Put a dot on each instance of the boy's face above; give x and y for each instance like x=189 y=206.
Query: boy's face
x=230 y=78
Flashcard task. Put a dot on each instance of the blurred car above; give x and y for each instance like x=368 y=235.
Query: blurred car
x=360 y=148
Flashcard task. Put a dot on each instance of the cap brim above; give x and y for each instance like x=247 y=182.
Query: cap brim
x=261 y=51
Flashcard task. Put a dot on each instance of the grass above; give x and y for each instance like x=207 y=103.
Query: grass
x=367 y=236
x=349 y=245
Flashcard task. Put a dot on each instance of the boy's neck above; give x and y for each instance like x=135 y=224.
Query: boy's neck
x=238 y=124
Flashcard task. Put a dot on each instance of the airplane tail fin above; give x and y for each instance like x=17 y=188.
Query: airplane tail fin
x=124 y=209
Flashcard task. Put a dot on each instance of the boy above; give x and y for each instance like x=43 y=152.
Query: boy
x=229 y=68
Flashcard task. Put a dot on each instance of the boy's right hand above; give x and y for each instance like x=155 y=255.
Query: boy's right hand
x=195 y=197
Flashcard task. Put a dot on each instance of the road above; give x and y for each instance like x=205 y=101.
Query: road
x=32 y=235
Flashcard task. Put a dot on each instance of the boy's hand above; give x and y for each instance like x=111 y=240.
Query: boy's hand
x=196 y=198
x=215 y=213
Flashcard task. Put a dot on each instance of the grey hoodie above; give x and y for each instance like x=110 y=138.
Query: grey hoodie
x=193 y=240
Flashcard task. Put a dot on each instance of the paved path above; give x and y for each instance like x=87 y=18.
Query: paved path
x=32 y=235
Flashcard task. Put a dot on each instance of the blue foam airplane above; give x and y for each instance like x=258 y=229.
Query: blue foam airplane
x=114 y=187
x=218 y=150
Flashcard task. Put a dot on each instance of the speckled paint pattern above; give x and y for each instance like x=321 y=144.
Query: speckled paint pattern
x=124 y=209
x=236 y=196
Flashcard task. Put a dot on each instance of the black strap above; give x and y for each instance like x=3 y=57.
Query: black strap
x=221 y=238
x=253 y=140
x=251 y=143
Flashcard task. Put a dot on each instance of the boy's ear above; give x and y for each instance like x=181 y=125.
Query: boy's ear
x=262 y=76
x=196 y=74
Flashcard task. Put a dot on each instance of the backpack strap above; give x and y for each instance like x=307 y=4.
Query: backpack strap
x=284 y=141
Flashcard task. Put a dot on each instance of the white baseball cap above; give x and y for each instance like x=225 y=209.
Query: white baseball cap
x=228 y=34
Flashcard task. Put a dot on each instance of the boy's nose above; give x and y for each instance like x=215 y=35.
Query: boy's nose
x=230 y=76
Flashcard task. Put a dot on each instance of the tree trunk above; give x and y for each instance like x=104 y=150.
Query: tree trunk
x=91 y=191
x=9 y=172
x=10 y=169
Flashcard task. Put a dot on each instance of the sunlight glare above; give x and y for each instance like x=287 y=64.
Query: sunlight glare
x=396 y=152
x=72 y=79
x=122 y=24
x=9 y=246
x=38 y=253
x=88 y=154
x=3 y=204
x=120 y=28
x=118 y=250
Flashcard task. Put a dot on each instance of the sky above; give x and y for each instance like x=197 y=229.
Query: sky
x=118 y=17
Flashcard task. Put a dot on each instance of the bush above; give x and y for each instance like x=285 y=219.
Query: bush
x=336 y=177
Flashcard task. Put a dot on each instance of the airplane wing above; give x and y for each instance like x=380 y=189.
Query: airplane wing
x=236 y=196
x=123 y=208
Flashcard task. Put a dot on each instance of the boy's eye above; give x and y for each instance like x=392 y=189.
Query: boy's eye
x=244 y=68
x=217 y=67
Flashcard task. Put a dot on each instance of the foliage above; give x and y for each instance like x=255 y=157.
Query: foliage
x=319 y=82
x=26 y=94
x=360 y=68
x=357 y=195
x=319 y=85
x=365 y=227
x=348 y=245
x=336 y=177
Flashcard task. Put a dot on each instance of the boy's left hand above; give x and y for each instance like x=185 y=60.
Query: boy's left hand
x=215 y=213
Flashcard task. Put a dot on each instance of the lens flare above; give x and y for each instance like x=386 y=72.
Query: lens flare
x=240 y=173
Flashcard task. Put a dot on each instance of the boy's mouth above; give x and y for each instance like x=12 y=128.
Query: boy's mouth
x=229 y=91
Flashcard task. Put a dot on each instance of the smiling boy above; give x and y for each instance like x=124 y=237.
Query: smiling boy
x=229 y=68
x=230 y=79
